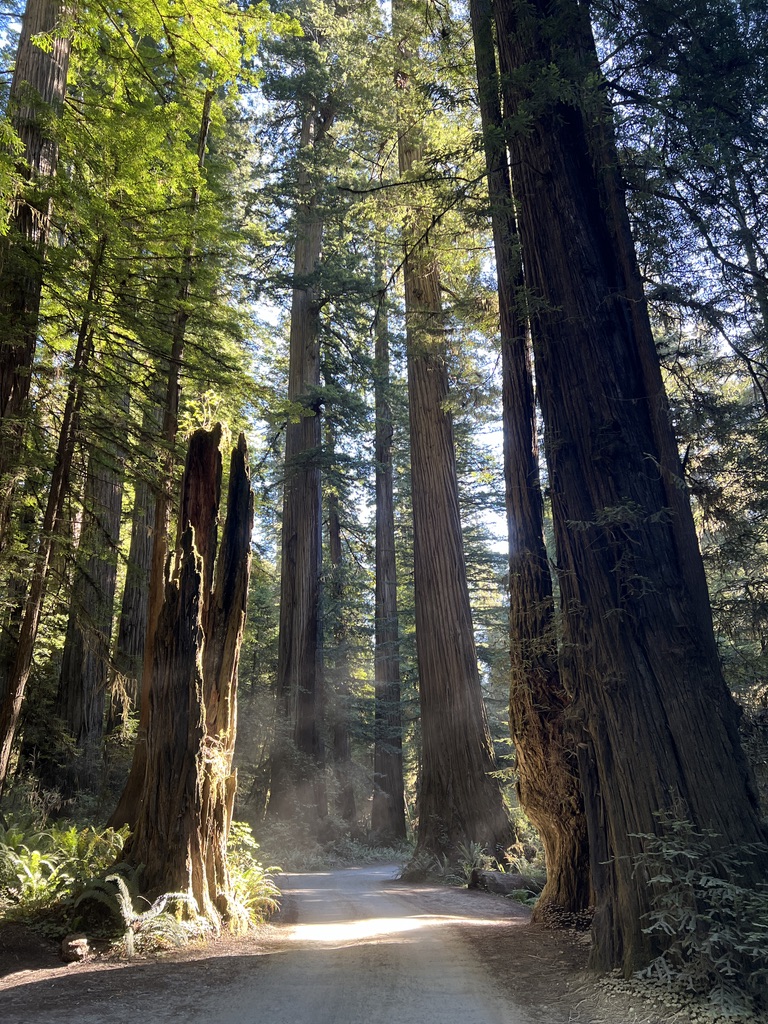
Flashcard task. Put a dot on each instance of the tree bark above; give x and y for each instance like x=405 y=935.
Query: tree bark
x=37 y=93
x=548 y=785
x=125 y=685
x=85 y=661
x=388 y=805
x=336 y=661
x=186 y=808
x=298 y=751
x=659 y=728
x=459 y=801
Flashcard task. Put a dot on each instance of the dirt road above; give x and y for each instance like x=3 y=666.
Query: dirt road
x=361 y=951
x=352 y=947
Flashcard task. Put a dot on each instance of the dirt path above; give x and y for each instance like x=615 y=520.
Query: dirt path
x=351 y=947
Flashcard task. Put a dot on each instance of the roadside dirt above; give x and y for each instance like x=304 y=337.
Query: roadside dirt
x=342 y=949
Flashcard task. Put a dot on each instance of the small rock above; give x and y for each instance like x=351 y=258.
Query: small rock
x=74 y=948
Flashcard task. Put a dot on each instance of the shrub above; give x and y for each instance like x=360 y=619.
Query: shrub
x=714 y=928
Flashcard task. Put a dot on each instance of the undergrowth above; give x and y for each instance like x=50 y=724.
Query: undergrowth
x=525 y=858
x=64 y=877
x=147 y=928
x=714 y=927
x=42 y=868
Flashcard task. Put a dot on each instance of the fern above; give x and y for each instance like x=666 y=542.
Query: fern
x=254 y=888
x=152 y=928
x=39 y=869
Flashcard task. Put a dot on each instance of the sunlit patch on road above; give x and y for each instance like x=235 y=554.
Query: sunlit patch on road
x=379 y=929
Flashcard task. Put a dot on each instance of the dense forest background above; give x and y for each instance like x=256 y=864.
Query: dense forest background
x=220 y=214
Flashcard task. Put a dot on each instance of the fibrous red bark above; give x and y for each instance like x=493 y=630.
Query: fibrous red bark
x=658 y=728
x=548 y=785
x=459 y=798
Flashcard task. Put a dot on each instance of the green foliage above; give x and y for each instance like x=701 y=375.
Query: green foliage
x=39 y=869
x=714 y=928
x=254 y=887
x=153 y=928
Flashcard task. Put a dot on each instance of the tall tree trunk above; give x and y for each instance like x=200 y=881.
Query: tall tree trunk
x=37 y=92
x=459 y=799
x=659 y=728
x=186 y=809
x=298 y=752
x=388 y=805
x=22 y=663
x=127 y=808
x=336 y=661
x=85 y=661
x=125 y=686
x=548 y=783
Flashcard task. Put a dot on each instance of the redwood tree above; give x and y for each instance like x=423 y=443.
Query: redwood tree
x=37 y=93
x=125 y=684
x=85 y=661
x=127 y=807
x=388 y=804
x=658 y=727
x=298 y=752
x=548 y=784
x=21 y=661
x=459 y=800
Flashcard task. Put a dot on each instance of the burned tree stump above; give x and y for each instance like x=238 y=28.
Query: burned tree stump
x=189 y=788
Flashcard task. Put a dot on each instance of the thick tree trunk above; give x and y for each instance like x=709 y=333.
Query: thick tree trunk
x=548 y=784
x=459 y=800
x=37 y=92
x=388 y=805
x=660 y=730
x=298 y=751
x=186 y=808
x=85 y=661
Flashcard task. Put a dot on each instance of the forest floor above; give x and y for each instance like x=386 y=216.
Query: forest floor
x=353 y=946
